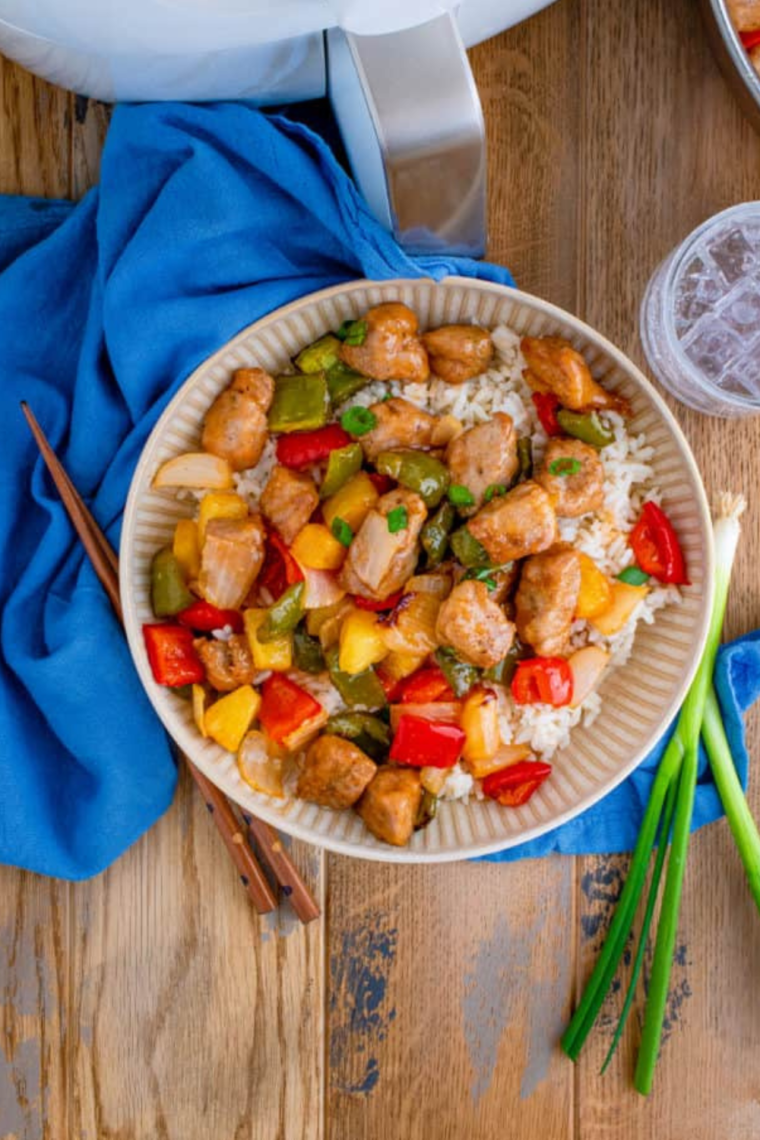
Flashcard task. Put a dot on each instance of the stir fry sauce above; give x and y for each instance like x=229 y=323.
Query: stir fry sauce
x=366 y=619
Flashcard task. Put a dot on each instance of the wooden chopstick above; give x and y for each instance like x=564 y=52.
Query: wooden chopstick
x=285 y=870
x=105 y=563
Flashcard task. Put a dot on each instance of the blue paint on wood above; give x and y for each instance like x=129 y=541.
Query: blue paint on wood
x=359 y=1012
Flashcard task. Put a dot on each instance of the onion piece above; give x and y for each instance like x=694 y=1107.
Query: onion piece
x=197 y=469
x=258 y=767
x=587 y=666
x=321 y=588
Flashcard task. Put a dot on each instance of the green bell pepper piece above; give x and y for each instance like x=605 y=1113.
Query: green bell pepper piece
x=633 y=576
x=364 y=730
x=585 y=426
x=416 y=471
x=300 y=403
x=344 y=382
x=503 y=671
x=468 y=550
x=319 y=356
x=355 y=688
x=460 y=676
x=169 y=594
x=524 y=458
x=426 y=812
x=284 y=615
x=435 y=534
x=342 y=464
x=307 y=653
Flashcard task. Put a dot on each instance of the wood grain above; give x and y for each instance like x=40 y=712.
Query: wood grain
x=152 y=1003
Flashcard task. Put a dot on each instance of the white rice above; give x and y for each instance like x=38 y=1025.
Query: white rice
x=629 y=481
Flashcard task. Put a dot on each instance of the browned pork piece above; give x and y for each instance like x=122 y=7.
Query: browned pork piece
x=390 y=804
x=235 y=426
x=555 y=366
x=474 y=626
x=288 y=501
x=458 y=352
x=484 y=456
x=378 y=561
x=335 y=773
x=546 y=600
x=572 y=474
x=399 y=424
x=228 y=664
x=514 y=525
x=232 y=555
x=392 y=350
x=745 y=14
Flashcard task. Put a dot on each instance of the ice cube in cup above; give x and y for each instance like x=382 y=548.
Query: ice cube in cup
x=732 y=253
x=700 y=315
x=713 y=349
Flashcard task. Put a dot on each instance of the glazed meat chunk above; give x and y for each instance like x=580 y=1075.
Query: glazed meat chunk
x=474 y=626
x=745 y=14
x=399 y=424
x=555 y=366
x=288 y=501
x=228 y=664
x=378 y=561
x=232 y=555
x=335 y=773
x=392 y=350
x=514 y=525
x=458 y=352
x=573 y=476
x=484 y=456
x=390 y=804
x=235 y=426
x=546 y=600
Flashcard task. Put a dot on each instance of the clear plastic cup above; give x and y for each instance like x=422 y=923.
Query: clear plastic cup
x=700 y=317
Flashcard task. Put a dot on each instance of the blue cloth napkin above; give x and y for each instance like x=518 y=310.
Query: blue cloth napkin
x=205 y=219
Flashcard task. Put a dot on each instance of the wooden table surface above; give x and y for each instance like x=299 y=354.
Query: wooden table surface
x=426 y=1005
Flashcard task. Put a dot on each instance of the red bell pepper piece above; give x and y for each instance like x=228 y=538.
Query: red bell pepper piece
x=172 y=656
x=425 y=686
x=427 y=743
x=280 y=568
x=205 y=617
x=382 y=483
x=374 y=607
x=656 y=546
x=302 y=448
x=543 y=681
x=547 y=404
x=750 y=39
x=284 y=707
x=391 y=687
x=515 y=785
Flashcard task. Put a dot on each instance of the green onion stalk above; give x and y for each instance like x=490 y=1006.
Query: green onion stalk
x=671 y=804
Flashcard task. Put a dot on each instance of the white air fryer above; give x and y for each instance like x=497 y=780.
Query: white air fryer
x=396 y=72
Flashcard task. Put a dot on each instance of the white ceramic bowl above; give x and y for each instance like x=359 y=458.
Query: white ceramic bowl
x=639 y=700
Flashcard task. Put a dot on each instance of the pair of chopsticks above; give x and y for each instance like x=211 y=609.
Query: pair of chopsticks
x=106 y=565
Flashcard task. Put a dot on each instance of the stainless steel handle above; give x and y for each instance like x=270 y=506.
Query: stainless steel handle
x=411 y=120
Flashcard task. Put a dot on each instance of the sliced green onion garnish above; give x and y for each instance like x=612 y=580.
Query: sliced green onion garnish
x=633 y=576
x=398 y=519
x=565 y=465
x=493 y=491
x=358 y=421
x=342 y=531
x=353 y=332
x=460 y=496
